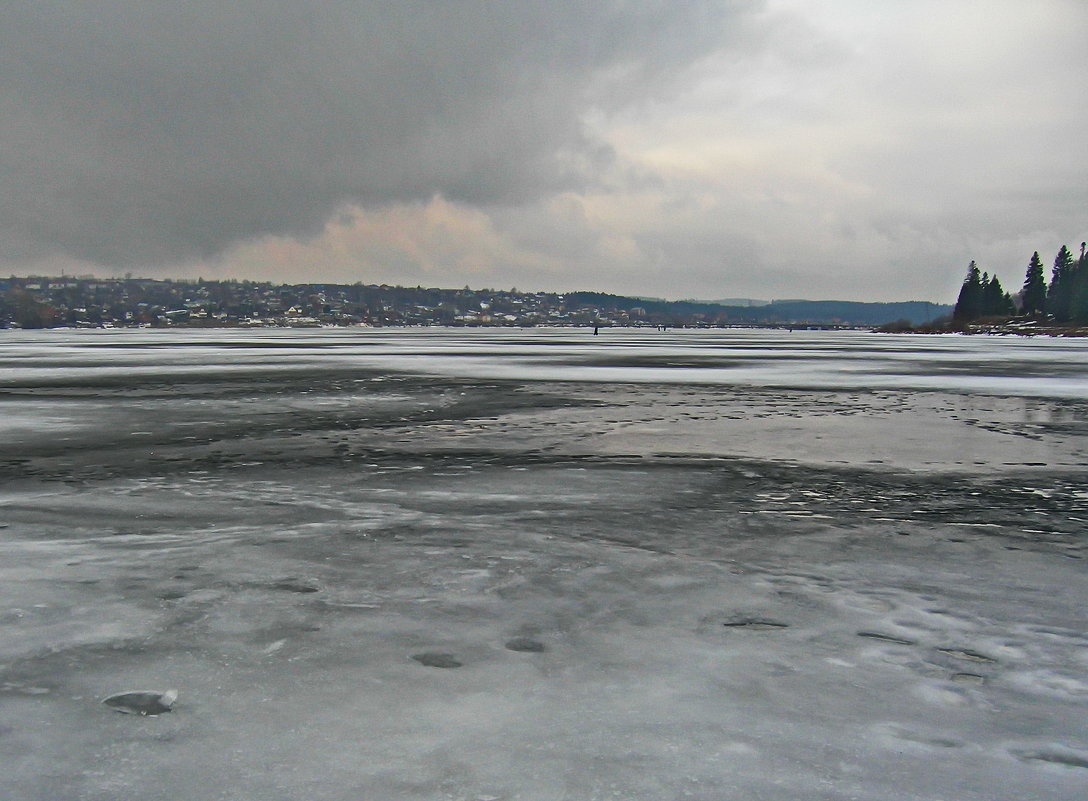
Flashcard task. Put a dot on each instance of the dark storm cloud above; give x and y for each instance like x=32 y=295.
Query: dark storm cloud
x=140 y=131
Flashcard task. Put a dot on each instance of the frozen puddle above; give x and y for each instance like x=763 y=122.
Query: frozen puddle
x=437 y=659
x=142 y=702
x=525 y=645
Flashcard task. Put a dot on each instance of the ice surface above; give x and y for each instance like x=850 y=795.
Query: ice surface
x=473 y=565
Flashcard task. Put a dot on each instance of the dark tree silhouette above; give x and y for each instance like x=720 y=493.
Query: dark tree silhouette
x=1066 y=299
x=1033 y=296
x=969 y=303
x=1059 y=297
x=995 y=300
x=1078 y=290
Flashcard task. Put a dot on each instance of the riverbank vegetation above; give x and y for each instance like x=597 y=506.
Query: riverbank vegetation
x=1061 y=303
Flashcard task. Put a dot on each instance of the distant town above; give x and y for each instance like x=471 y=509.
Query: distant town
x=90 y=302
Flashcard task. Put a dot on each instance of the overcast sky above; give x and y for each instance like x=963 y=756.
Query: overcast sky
x=850 y=149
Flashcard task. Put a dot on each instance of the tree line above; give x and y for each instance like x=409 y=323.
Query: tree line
x=1064 y=300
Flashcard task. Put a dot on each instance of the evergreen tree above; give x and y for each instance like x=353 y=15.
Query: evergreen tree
x=1059 y=297
x=1078 y=291
x=969 y=302
x=1033 y=296
x=995 y=300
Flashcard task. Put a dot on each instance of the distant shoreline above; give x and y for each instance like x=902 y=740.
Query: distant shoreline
x=87 y=302
x=971 y=329
x=1023 y=328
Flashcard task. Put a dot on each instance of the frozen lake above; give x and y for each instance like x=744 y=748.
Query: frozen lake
x=542 y=565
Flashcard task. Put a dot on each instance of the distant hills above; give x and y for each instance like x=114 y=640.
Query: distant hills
x=784 y=312
x=89 y=302
x=736 y=302
x=849 y=312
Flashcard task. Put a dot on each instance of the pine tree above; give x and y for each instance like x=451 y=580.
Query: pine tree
x=1033 y=295
x=1078 y=292
x=995 y=301
x=969 y=303
x=1060 y=295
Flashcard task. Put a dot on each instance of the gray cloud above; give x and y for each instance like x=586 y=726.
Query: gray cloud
x=713 y=148
x=138 y=132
